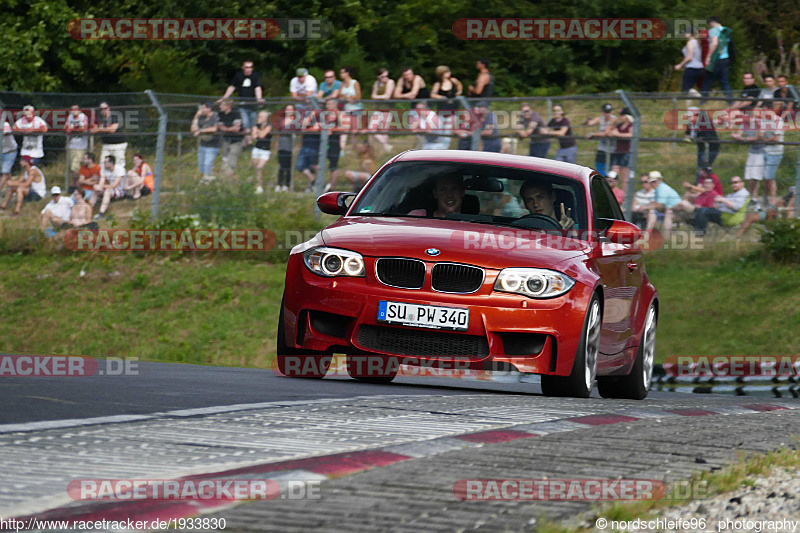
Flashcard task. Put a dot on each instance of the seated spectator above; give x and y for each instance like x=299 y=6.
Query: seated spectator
x=619 y=194
x=730 y=205
x=448 y=190
x=641 y=202
x=262 y=135
x=81 y=214
x=692 y=191
x=705 y=199
x=30 y=187
x=32 y=128
x=88 y=175
x=330 y=87
x=56 y=212
x=664 y=199
x=111 y=185
x=139 y=177
x=540 y=199
x=783 y=208
x=382 y=89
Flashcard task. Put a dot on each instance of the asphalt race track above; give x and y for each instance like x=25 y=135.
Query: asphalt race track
x=381 y=457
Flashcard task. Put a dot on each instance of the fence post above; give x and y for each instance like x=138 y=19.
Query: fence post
x=634 y=153
x=796 y=96
x=160 y=145
x=322 y=161
x=178 y=170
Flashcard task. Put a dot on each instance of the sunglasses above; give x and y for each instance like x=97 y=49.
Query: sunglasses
x=103 y=107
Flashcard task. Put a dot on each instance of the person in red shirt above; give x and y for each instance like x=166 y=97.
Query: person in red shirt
x=692 y=191
x=704 y=199
x=88 y=175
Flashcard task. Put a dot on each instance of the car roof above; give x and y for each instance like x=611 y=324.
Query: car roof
x=569 y=170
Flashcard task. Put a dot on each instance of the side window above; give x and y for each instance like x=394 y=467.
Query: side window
x=604 y=204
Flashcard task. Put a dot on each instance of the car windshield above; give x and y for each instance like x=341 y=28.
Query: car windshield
x=476 y=193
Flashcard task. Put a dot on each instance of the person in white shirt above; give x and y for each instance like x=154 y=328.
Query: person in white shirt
x=57 y=211
x=9 y=151
x=111 y=186
x=303 y=86
x=30 y=187
x=32 y=128
x=76 y=129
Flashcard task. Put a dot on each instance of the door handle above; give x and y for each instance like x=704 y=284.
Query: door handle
x=632 y=266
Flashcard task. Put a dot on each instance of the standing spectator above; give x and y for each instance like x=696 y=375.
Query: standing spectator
x=330 y=87
x=484 y=84
x=77 y=139
x=560 y=127
x=784 y=108
x=489 y=132
x=605 y=146
x=750 y=92
x=530 y=126
x=111 y=186
x=664 y=199
x=9 y=151
x=32 y=128
x=382 y=89
x=302 y=87
x=56 y=212
x=773 y=153
x=703 y=133
x=247 y=84
x=428 y=123
x=351 y=93
x=262 y=133
x=718 y=61
x=230 y=124
x=446 y=89
x=114 y=142
x=88 y=175
x=139 y=177
x=285 y=149
x=622 y=129
x=730 y=204
x=205 y=125
x=751 y=133
x=410 y=86
x=465 y=124
x=619 y=194
x=641 y=201
x=331 y=121
x=692 y=62
x=31 y=187
x=309 y=150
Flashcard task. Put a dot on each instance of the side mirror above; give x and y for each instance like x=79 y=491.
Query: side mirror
x=334 y=203
x=622 y=232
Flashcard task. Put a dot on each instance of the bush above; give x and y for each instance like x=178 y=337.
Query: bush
x=781 y=239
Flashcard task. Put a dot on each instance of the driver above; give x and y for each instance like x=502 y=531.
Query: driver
x=539 y=198
x=448 y=189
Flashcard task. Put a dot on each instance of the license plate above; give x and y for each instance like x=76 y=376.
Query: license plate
x=423 y=316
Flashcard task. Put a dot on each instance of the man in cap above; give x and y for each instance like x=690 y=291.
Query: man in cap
x=56 y=212
x=606 y=146
x=303 y=86
x=664 y=199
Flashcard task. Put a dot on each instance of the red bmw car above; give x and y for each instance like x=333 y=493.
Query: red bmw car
x=475 y=260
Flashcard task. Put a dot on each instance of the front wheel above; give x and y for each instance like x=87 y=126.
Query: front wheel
x=579 y=383
x=372 y=368
x=636 y=385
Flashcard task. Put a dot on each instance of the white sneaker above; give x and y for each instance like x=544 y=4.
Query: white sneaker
x=259 y=190
x=278 y=188
x=285 y=188
x=327 y=188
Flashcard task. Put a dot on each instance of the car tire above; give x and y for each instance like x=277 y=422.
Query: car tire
x=296 y=363
x=636 y=385
x=584 y=368
x=363 y=368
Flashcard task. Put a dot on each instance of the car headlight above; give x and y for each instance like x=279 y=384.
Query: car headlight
x=533 y=282
x=331 y=262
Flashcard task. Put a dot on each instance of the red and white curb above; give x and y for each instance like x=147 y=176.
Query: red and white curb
x=324 y=467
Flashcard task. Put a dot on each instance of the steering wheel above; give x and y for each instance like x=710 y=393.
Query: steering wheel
x=544 y=218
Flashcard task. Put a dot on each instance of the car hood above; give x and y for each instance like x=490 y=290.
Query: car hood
x=457 y=241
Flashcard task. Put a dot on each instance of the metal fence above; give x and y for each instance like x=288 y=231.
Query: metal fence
x=159 y=126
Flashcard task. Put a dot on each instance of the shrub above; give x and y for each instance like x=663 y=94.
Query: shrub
x=781 y=239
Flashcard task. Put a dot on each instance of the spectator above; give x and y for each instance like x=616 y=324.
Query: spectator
x=619 y=194
x=489 y=132
x=560 y=127
x=9 y=151
x=262 y=133
x=382 y=89
x=754 y=167
x=446 y=89
x=56 y=212
x=704 y=199
x=703 y=133
x=530 y=126
x=692 y=62
x=302 y=87
x=464 y=126
x=773 y=153
x=114 y=142
x=664 y=199
x=351 y=93
x=88 y=175
x=331 y=121
x=77 y=140
x=32 y=128
x=247 y=84
x=205 y=126
x=330 y=87
x=81 y=214
x=622 y=129
x=366 y=157
x=139 y=177
x=730 y=204
x=230 y=124
x=692 y=191
x=309 y=150
x=426 y=120
x=606 y=146
x=484 y=84
x=410 y=86
x=718 y=61
x=285 y=149
x=784 y=108
x=766 y=94
x=784 y=208
x=641 y=201
x=111 y=186
x=750 y=92
x=31 y=187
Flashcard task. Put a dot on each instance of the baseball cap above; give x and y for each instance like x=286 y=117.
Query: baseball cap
x=27 y=158
x=606 y=108
x=654 y=176
x=55 y=190
x=693 y=108
x=302 y=71
x=611 y=174
x=28 y=108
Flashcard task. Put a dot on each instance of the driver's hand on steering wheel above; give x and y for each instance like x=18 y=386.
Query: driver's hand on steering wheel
x=566 y=221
